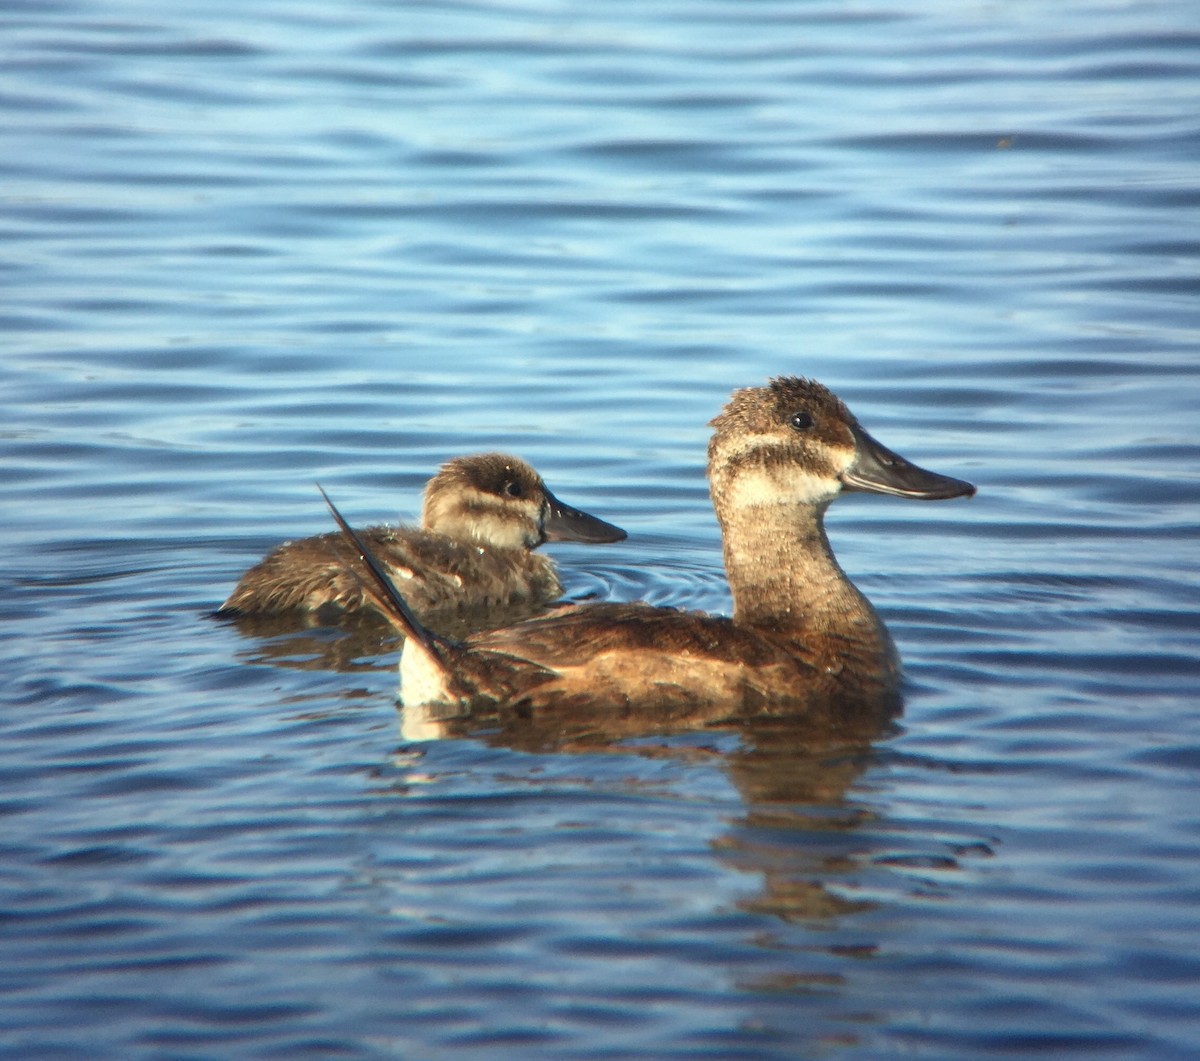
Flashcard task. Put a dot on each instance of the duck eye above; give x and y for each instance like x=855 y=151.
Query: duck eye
x=513 y=489
x=801 y=421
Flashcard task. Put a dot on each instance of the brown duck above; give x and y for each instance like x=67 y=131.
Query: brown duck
x=482 y=520
x=802 y=639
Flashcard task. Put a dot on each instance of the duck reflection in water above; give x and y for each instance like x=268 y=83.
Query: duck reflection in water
x=802 y=642
x=472 y=561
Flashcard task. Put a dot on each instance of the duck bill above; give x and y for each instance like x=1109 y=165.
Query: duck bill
x=877 y=470
x=566 y=524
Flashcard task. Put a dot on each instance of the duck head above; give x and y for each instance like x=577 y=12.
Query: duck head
x=794 y=442
x=501 y=501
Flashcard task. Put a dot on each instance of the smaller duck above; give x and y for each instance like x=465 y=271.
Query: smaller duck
x=482 y=520
x=802 y=640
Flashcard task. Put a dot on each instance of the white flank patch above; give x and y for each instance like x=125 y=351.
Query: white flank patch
x=422 y=678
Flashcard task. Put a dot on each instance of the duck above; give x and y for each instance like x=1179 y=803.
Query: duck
x=482 y=520
x=802 y=640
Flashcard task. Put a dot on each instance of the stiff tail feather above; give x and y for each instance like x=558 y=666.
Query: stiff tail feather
x=396 y=606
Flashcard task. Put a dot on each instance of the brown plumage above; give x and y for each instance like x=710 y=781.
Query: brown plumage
x=482 y=520
x=802 y=638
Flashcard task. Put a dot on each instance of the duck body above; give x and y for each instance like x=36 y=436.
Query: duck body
x=483 y=518
x=802 y=639
x=439 y=573
x=669 y=666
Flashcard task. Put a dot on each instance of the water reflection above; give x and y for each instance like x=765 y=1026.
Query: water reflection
x=293 y=642
x=301 y=640
x=795 y=785
x=793 y=775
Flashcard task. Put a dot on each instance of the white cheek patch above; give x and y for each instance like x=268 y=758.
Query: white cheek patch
x=764 y=469
x=502 y=529
x=756 y=487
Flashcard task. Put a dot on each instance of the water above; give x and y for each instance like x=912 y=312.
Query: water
x=260 y=245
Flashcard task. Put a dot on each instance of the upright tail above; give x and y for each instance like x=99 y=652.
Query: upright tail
x=433 y=669
x=395 y=606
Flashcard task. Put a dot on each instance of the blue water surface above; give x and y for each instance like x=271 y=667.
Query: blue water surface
x=252 y=246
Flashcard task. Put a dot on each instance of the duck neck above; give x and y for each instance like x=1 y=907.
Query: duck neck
x=783 y=574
